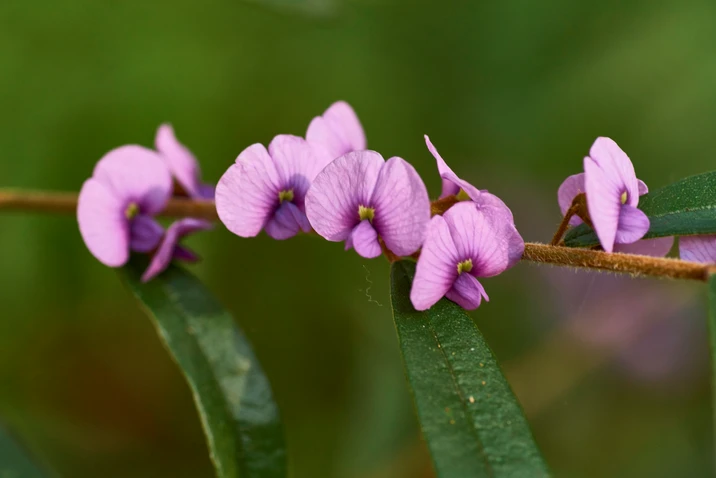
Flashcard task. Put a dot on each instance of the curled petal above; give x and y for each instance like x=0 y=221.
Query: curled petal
x=467 y=292
x=643 y=189
x=365 y=240
x=334 y=197
x=163 y=257
x=633 y=224
x=296 y=164
x=568 y=190
x=478 y=239
x=103 y=225
x=136 y=174
x=617 y=167
x=603 y=202
x=287 y=221
x=182 y=163
x=337 y=132
x=248 y=193
x=145 y=233
x=402 y=207
x=698 y=248
x=450 y=186
x=436 y=270
x=658 y=247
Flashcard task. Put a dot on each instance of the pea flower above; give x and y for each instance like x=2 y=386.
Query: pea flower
x=337 y=132
x=182 y=164
x=360 y=197
x=698 y=248
x=495 y=210
x=461 y=245
x=117 y=205
x=612 y=191
x=266 y=189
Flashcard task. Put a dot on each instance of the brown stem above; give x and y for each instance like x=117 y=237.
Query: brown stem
x=577 y=208
x=441 y=205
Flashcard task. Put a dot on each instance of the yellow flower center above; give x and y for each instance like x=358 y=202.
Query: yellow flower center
x=131 y=211
x=366 y=213
x=624 y=197
x=286 y=195
x=464 y=266
x=462 y=195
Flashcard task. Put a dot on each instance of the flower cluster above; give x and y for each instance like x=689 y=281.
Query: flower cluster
x=130 y=185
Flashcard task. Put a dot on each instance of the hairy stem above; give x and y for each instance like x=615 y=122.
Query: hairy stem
x=58 y=203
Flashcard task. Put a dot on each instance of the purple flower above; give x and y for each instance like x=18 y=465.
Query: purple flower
x=336 y=133
x=613 y=191
x=495 y=210
x=266 y=189
x=461 y=246
x=182 y=164
x=360 y=197
x=117 y=205
x=698 y=248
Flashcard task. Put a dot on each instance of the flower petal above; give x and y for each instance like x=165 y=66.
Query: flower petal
x=633 y=224
x=450 y=187
x=287 y=221
x=296 y=164
x=643 y=189
x=617 y=167
x=436 y=270
x=247 y=193
x=337 y=132
x=163 y=257
x=467 y=292
x=658 y=247
x=402 y=207
x=145 y=233
x=103 y=225
x=138 y=175
x=364 y=239
x=182 y=163
x=698 y=248
x=568 y=190
x=478 y=239
x=333 y=199
x=603 y=202
x=185 y=254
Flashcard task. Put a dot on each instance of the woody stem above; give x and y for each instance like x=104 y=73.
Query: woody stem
x=66 y=203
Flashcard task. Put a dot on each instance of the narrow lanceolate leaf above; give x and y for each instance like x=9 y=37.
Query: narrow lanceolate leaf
x=15 y=461
x=233 y=396
x=684 y=208
x=470 y=419
x=712 y=345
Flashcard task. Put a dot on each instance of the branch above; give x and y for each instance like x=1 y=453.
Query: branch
x=66 y=203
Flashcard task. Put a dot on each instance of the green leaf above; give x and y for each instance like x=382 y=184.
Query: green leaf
x=471 y=420
x=15 y=462
x=684 y=208
x=236 y=406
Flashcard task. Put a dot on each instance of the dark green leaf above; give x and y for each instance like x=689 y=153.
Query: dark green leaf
x=15 y=462
x=233 y=396
x=684 y=208
x=470 y=418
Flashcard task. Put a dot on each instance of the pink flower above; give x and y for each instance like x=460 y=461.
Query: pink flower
x=182 y=164
x=360 y=197
x=266 y=189
x=612 y=191
x=461 y=245
x=336 y=133
x=117 y=205
x=698 y=248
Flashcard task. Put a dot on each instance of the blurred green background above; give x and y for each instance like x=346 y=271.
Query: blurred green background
x=612 y=372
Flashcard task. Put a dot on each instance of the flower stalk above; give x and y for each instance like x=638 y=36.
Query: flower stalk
x=66 y=203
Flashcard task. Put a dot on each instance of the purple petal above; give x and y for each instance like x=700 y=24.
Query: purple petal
x=570 y=188
x=603 y=202
x=333 y=199
x=163 y=257
x=633 y=224
x=180 y=160
x=103 y=224
x=185 y=254
x=337 y=132
x=145 y=233
x=514 y=243
x=450 y=187
x=365 y=240
x=436 y=270
x=477 y=238
x=287 y=221
x=617 y=167
x=643 y=189
x=467 y=292
x=207 y=191
x=247 y=193
x=136 y=174
x=493 y=207
x=658 y=247
x=698 y=248
x=296 y=164
x=402 y=207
